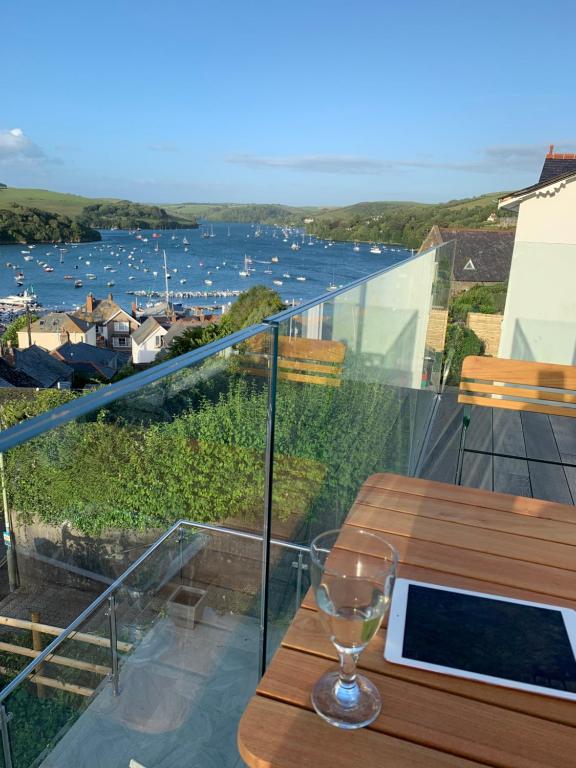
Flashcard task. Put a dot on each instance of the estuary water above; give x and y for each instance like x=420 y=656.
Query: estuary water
x=204 y=265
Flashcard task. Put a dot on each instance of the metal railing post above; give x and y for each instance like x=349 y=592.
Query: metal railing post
x=268 y=488
x=113 y=644
x=181 y=546
x=301 y=567
x=6 y=748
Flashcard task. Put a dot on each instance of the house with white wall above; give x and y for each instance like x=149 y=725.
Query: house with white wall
x=540 y=314
x=147 y=340
x=56 y=328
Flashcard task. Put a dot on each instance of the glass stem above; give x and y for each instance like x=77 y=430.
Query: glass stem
x=347 y=691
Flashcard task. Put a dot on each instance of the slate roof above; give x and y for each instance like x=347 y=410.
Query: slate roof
x=557 y=165
x=57 y=322
x=179 y=326
x=11 y=377
x=486 y=253
x=40 y=365
x=91 y=360
x=149 y=327
x=103 y=310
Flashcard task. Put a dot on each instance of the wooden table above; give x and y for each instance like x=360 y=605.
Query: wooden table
x=447 y=535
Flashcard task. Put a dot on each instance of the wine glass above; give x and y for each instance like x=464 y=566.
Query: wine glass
x=353 y=573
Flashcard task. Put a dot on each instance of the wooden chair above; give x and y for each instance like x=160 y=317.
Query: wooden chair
x=313 y=361
x=517 y=385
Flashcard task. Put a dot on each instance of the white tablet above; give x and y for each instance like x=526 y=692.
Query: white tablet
x=493 y=639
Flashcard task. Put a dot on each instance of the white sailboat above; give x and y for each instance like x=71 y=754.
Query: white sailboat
x=246 y=271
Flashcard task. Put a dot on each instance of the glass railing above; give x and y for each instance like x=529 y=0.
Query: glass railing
x=168 y=651
x=264 y=437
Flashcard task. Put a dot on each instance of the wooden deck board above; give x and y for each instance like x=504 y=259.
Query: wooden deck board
x=521 y=434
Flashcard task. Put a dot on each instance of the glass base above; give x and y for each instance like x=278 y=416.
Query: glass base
x=352 y=705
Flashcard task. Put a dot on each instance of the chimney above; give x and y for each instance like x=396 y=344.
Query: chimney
x=551 y=151
x=134 y=309
x=9 y=354
x=110 y=297
x=90 y=303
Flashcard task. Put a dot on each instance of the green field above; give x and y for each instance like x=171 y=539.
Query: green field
x=55 y=202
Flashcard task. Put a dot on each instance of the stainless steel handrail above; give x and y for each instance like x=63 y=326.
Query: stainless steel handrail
x=104 y=596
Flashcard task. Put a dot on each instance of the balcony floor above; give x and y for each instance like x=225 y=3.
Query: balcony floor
x=548 y=438
x=182 y=693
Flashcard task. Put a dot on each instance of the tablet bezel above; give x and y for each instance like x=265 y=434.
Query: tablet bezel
x=395 y=638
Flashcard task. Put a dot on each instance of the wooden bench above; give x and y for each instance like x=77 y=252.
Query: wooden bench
x=517 y=385
x=312 y=361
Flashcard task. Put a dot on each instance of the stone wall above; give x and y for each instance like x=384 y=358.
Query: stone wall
x=488 y=328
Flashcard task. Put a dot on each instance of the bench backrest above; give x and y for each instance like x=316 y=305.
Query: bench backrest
x=519 y=385
x=315 y=361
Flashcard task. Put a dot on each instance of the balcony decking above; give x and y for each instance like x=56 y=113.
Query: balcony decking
x=547 y=438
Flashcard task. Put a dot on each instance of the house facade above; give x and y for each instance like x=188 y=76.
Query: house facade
x=540 y=314
x=113 y=324
x=148 y=340
x=56 y=328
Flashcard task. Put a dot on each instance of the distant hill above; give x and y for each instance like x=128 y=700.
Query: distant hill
x=126 y=215
x=244 y=213
x=396 y=221
x=406 y=222
x=20 y=224
x=393 y=222
x=46 y=200
x=94 y=211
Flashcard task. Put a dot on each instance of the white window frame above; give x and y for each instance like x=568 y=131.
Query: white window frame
x=121 y=326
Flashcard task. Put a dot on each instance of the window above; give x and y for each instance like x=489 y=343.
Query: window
x=120 y=341
x=158 y=341
x=121 y=327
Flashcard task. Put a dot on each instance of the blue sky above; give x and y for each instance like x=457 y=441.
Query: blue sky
x=308 y=102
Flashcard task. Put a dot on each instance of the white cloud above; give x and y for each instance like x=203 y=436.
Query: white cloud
x=490 y=160
x=163 y=147
x=16 y=147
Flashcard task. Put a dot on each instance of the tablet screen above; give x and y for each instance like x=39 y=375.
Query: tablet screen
x=487 y=636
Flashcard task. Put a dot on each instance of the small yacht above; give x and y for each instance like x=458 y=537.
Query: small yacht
x=295 y=247
x=301 y=278
x=375 y=249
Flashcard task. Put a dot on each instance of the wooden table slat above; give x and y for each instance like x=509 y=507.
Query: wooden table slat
x=505 y=502
x=307 y=634
x=434 y=718
x=273 y=734
x=463 y=514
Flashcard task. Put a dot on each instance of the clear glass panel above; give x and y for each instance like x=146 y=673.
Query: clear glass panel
x=45 y=709
x=288 y=584
x=357 y=379
x=88 y=497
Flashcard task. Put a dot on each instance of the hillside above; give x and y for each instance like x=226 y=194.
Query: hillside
x=123 y=214
x=244 y=213
x=405 y=222
x=97 y=212
x=46 y=200
x=30 y=225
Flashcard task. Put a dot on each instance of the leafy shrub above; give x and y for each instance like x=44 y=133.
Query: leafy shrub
x=460 y=342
